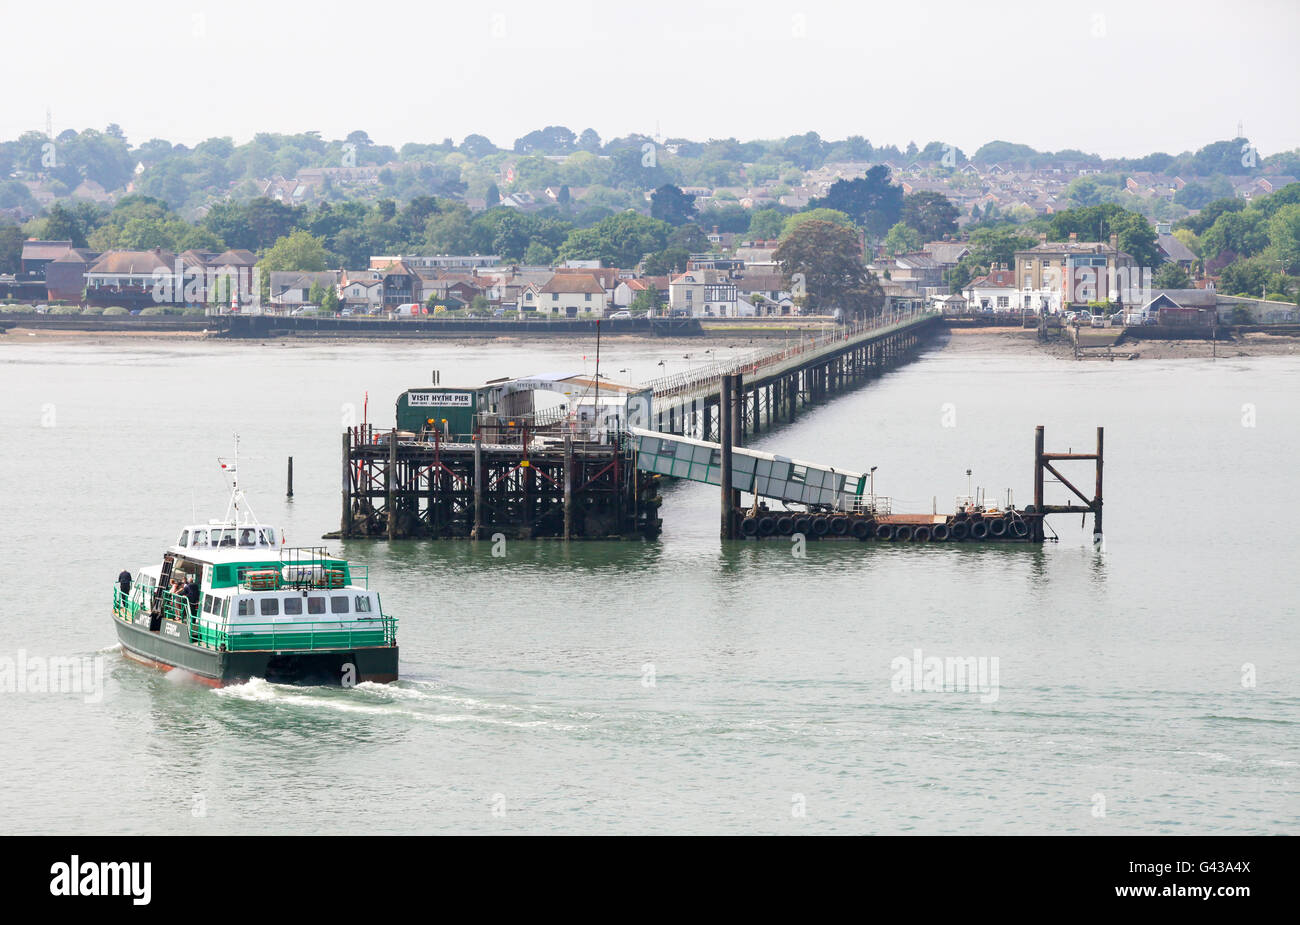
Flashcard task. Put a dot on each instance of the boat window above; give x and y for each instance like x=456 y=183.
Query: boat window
x=227 y=537
x=247 y=537
x=209 y=604
x=363 y=604
x=315 y=604
x=246 y=607
x=293 y=606
x=200 y=538
x=339 y=604
x=266 y=536
x=270 y=607
x=184 y=540
x=225 y=608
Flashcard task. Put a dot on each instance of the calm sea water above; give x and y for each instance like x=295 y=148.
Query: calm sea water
x=684 y=685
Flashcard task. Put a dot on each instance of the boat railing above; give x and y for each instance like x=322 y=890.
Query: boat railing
x=346 y=632
x=367 y=632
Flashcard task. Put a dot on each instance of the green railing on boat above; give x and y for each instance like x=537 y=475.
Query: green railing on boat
x=308 y=635
x=319 y=634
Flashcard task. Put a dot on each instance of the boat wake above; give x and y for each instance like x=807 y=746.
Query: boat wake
x=415 y=700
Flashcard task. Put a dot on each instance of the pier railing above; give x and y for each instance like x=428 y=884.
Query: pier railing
x=757 y=361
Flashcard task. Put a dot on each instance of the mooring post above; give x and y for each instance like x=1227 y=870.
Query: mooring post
x=568 y=486
x=725 y=423
x=289 y=491
x=345 y=523
x=478 y=487
x=390 y=486
x=1038 y=468
x=1096 y=511
x=1038 y=482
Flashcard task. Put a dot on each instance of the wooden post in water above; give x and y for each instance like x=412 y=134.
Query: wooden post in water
x=568 y=486
x=289 y=492
x=725 y=423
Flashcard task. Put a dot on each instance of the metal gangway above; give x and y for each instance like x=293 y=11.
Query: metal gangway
x=754 y=472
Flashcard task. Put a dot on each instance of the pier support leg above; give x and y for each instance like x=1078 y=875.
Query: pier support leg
x=568 y=486
x=737 y=410
x=478 y=489
x=390 y=484
x=725 y=422
x=1038 y=483
x=1096 y=514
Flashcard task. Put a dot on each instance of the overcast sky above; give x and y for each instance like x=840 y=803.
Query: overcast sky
x=1114 y=78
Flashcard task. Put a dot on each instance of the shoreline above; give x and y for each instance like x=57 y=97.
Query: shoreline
x=991 y=341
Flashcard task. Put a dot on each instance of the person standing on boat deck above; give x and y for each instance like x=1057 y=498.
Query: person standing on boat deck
x=191 y=593
x=124 y=581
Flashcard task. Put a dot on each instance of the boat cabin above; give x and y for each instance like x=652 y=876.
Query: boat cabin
x=226 y=536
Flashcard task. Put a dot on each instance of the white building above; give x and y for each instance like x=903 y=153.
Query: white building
x=704 y=294
x=566 y=294
x=994 y=292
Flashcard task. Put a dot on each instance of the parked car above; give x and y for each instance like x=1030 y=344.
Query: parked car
x=621 y=314
x=1099 y=321
x=410 y=310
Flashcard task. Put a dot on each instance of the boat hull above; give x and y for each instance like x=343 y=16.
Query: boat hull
x=327 y=667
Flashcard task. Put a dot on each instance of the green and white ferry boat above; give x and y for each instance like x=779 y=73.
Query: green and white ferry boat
x=230 y=601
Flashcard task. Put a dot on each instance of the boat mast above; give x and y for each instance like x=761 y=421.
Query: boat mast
x=232 y=508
